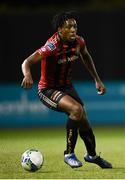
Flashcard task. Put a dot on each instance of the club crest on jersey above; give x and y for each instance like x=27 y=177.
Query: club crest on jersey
x=51 y=46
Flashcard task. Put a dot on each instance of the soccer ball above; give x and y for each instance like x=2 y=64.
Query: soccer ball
x=32 y=160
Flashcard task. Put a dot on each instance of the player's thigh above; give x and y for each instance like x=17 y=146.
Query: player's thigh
x=58 y=100
x=50 y=98
x=70 y=90
x=69 y=104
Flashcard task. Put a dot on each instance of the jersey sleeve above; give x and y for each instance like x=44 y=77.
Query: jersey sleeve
x=82 y=42
x=47 y=49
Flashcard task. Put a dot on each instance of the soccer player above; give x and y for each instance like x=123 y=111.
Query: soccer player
x=55 y=88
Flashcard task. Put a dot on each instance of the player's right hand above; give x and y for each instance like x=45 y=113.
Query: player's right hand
x=27 y=82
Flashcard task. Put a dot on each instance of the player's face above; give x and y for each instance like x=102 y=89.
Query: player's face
x=69 y=29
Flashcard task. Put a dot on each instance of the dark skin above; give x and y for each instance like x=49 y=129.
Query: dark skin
x=67 y=104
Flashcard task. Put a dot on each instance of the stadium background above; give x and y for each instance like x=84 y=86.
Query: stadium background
x=26 y=25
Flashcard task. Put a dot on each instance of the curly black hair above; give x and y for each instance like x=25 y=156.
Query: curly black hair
x=59 y=19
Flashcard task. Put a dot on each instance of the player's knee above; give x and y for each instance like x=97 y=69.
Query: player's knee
x=76 y=112
x=84 y=115
x=84 y=121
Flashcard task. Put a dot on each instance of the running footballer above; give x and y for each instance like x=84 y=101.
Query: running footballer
x=55 y=88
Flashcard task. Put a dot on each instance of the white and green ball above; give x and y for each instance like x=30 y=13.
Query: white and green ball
x=32 y=160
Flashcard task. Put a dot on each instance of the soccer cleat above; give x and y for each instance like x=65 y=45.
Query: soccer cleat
x=72 y=160
x=99 y=161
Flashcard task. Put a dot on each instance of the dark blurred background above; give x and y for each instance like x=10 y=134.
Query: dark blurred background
x=25 y=25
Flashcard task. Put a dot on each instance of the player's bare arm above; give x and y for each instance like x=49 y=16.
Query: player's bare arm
x=27 y=81
x=89 y=64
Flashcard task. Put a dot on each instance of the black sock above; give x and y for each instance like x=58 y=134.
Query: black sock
x=89 y=140
x=72 y=134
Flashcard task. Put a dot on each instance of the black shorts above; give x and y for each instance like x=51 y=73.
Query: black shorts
x=51 y=97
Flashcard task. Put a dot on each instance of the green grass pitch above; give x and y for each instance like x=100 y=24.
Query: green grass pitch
x=51 y=142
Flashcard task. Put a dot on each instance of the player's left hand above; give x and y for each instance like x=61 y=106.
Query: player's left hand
x=100 y=88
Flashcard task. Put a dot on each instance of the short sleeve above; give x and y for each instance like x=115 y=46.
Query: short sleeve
x=47 y=49
x=82 y=42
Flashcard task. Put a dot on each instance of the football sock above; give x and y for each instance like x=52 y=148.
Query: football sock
x=72 y=134
x=89 y=140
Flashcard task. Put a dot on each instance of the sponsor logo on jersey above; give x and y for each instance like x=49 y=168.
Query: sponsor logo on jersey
x=61 y=52
x=68 y=59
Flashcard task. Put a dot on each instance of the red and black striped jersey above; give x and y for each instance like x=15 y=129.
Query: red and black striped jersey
x=57 y=59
